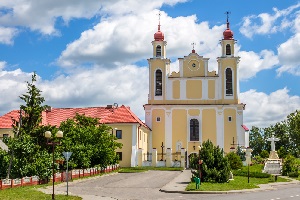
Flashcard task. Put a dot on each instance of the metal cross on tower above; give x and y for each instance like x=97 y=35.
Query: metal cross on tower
x=193 y=44
x=227 y=13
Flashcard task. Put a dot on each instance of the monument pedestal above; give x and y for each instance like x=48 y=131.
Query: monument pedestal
x=273 y=164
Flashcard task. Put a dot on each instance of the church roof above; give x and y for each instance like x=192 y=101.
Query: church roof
x=54 y=116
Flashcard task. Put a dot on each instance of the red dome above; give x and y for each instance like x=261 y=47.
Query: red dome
x=159 y=36
x=228 y=34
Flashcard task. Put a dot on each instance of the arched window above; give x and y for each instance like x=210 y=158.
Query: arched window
x=194 y=130
x=158 y=83
x=158 y=51
x=228 y=49
x=229 y=91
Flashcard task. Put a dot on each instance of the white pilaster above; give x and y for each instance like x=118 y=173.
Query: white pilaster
x=168 y=128
x=134 y=146
x=220 y=128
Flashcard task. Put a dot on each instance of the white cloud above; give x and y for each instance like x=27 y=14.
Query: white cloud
x=288 y=54
x=126 y=85
x=42 y=15
x=12 y=86
x=266 y=23
x=7 y=35
x=119 y=40
x=262 y=109
x=251 y=63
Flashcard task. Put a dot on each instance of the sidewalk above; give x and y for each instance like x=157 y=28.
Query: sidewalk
x=178 y=185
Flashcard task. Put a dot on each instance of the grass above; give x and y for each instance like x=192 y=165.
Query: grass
x=143 y=169
x=239 y=183
x=31 y=193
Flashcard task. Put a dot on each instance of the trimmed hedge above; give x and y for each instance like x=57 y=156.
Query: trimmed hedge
x=251 y=174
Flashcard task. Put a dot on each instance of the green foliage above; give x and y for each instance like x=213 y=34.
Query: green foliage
x=251 y=174
x=91 y=142
x=235 y=161
x=264 y=154
x=293 y=174
x=215 y=167
x=288 y=132
x=258 y=160
x=4 y=161
x=289 y=165
x=241 y=153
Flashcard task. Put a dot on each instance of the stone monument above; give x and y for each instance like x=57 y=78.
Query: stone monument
x=273 y=165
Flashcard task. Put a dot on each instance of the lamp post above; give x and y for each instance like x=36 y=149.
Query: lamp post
x=48 y=134
x=248 y=151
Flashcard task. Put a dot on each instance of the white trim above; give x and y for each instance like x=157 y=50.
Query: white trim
x=204 y=89
x=220 y=128
x=168 y=129
x=134 y=147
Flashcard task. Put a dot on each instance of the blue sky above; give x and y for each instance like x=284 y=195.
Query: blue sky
x=94 y=53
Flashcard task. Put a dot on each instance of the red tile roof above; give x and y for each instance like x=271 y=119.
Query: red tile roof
x=6 y=120
x=245 y=128
x=55 y=116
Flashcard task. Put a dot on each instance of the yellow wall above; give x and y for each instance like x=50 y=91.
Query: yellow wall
x=6 y=131
x=127 y=143
x=158 y=129
x=190 y=71
x=176 y=89
x=194 y=89
x=179 y=127
x=211 y=89
x=229 y=128
x=209 y=125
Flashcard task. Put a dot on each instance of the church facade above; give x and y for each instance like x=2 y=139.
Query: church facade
x=193 y=105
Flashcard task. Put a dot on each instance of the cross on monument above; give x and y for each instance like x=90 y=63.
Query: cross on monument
x=273 y=139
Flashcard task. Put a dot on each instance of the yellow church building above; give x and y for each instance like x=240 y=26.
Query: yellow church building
x=193 y=105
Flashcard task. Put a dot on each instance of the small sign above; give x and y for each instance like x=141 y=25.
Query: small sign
x=67 y=155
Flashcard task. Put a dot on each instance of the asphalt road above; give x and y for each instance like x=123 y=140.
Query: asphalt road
x=125 y=186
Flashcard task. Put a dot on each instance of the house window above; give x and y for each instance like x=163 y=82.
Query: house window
x=228 y=49
x=119 y=134
x=229 y=118
x=5 y=135
x=229 y=91
x=158 y=51
x=158 y=119
x=194 y=130
x=158 y=84
x=119 y=154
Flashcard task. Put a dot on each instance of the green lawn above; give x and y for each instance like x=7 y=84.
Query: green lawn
x=31 y=193
x=239 y=183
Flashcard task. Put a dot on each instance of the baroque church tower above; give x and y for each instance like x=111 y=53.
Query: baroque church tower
x=193 y=105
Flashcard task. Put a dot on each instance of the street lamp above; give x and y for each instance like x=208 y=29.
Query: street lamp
x=48 y=134
x=248 y=151
x=200 y=162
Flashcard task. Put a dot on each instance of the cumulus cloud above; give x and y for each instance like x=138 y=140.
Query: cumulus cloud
x=42 y=16
x=288 y=54
x=127 y=39
x=13 y=85
x=251 y=63
x=7 y=35
x=263 y=110
x=266 y=23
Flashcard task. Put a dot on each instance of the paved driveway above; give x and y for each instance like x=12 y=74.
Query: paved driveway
x=144 y=185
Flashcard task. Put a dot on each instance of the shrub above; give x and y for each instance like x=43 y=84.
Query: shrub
x=293 y=174
x=235 y=161
x=289 y=165
x=251 y=174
